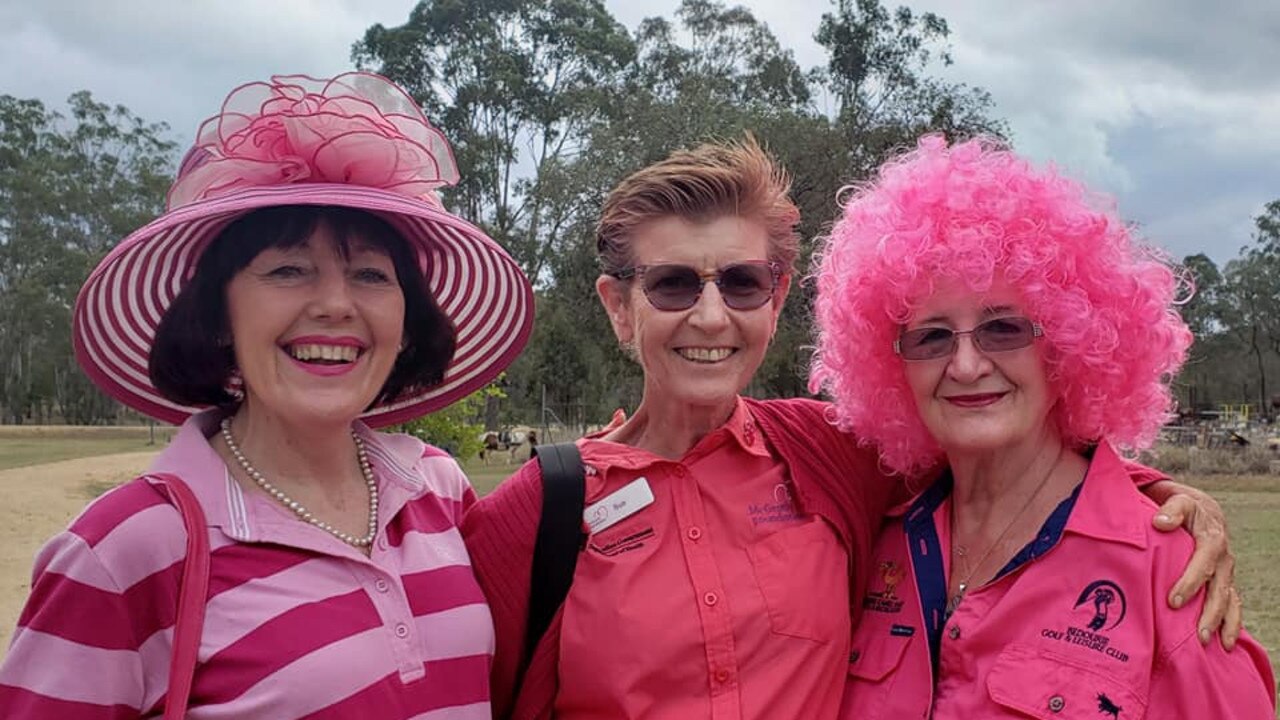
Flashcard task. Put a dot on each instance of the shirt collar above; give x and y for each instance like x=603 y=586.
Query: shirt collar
x=1105 y=507
x=243 y=515
x=741 y=429
x=1101 y=510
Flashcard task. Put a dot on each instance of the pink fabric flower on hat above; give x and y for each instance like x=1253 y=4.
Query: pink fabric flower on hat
x=356 y=129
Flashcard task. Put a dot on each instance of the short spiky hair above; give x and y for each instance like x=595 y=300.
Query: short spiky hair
x=705 y=183
x=973 y=212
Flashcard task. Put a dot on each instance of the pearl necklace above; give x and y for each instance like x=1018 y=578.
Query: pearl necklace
x=297 y=507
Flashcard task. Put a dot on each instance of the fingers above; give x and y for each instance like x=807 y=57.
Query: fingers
x=1181 y=511
x=1234 y=621
x=1212 y=563
x=1174 y=512
x=1217 y=602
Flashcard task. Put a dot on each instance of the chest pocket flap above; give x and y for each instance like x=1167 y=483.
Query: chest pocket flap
x=1039 y=684
x=872 y=660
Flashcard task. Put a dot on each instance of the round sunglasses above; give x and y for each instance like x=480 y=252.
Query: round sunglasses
x=995 y=335
x=672 y=287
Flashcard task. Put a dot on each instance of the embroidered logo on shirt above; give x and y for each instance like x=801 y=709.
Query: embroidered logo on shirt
x=1103 y=594
x=885 y=600
x=1104 y=604
x=780 y=509
x=1106 y=707
x=616 y=546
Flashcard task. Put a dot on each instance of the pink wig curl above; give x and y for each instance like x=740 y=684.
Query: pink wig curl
x=971 y=213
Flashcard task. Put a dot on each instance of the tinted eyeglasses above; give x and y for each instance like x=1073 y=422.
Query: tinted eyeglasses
x=995 y=335
x=744 y=285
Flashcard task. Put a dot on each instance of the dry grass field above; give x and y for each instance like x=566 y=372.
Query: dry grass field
x=48 y=474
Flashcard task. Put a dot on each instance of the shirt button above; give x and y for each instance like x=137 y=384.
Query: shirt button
x=953 y=632
x=722 y=675
x=710 y=599
x=402 y=631
x=1056 y=703
x=382 y=543
x=681 y=472
x=695 y=533
x=749 y=433
x=382 y=585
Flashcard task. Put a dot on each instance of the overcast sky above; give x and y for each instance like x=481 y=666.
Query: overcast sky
x=1172 y=105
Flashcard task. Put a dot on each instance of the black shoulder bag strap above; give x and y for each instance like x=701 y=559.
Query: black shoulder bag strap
x=560 y=536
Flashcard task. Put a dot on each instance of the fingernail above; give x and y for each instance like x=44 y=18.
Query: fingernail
x=1204 y=635
x=1164 y=518
x=1177 y=601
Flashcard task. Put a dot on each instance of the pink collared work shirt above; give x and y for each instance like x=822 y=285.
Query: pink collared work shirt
x=718 y=601
x=298 y=624
x=1075 y=627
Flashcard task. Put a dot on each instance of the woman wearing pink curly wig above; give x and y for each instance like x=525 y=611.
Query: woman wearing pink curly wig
x=978 y=311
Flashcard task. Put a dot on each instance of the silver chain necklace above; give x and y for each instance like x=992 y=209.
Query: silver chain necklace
x=962 y=551
x=297 y=507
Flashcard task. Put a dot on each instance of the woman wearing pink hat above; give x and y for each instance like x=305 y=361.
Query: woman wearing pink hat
x=979 y=312
x=304 y=287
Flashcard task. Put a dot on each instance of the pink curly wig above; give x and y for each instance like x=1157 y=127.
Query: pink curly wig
x=972 y=213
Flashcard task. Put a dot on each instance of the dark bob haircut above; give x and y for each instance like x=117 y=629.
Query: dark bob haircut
x=192 y=359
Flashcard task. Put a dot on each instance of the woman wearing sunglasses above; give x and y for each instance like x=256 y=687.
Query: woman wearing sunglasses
x=977 y=311
x=720 y=584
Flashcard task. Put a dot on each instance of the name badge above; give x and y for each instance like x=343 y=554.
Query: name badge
x=629 y=500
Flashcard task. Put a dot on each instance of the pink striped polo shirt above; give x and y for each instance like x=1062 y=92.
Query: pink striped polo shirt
x=298 y=624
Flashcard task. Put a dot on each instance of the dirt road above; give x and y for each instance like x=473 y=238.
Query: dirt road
x=36 y=503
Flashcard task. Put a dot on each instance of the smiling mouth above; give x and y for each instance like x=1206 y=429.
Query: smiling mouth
x=705 y=355
x=319 y=354
x=975 y=400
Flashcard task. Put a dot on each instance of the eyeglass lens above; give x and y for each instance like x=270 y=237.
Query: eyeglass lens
x=744 y=286
x=997 y=335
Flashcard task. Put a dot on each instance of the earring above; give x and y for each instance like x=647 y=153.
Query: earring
x=234 y=386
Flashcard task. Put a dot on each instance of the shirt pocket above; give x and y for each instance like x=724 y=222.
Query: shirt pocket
x=1031 y=682
x=803 y=574
x=875 y=669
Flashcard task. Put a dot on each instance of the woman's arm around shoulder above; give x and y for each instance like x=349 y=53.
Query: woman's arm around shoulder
x=89 y=642
x=500 y=530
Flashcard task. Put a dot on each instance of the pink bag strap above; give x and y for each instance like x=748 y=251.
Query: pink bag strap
x=191 y=595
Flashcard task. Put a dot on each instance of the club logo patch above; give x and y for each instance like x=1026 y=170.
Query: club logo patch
x=886 y=599
x=1107 y=600
x=780 y=507
x=1099 y=608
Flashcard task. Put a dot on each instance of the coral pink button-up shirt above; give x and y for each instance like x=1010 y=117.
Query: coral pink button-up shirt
x=1075 y=627
x=718 y=600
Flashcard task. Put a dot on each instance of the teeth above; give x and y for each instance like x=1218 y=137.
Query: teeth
x=705 y=354
x=333 y=353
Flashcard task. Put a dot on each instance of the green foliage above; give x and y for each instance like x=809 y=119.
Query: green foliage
x=457 y=429
x=598 y=103
x=1235 y=316
x=69 y=189
x=499 y=76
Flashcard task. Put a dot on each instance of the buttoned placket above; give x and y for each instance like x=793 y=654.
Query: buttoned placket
x=376 y=573
x=708 y=591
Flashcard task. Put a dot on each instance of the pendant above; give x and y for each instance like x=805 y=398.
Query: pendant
x=955 y=600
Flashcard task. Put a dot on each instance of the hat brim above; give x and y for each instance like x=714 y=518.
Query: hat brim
x=474 y=281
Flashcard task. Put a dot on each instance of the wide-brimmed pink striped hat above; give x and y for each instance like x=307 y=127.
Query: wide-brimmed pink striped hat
x=355 y=141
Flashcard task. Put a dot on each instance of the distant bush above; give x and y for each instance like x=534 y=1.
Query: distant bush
x=1184 y=460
